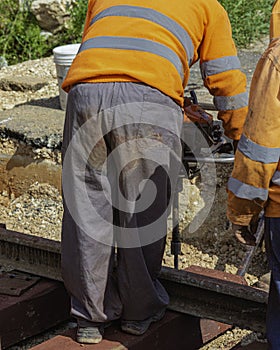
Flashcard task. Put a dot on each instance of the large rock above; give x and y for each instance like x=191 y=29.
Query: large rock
x=19 y=83
x=51 y=14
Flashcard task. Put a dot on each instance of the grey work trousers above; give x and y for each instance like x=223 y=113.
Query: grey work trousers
x=272 y=246
x=121 y=151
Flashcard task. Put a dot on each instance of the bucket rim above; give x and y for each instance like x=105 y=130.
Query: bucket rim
x=69 y=49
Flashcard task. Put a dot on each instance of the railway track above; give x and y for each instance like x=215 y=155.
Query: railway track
x=199 y=292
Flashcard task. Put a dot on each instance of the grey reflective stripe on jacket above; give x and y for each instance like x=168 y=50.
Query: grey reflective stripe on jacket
x=125 y=43
x=219 y=65
x=276 y=178
x=242 y=190
x=226 y=103
x=140 y=44
x=154 y=16
x=257 y=152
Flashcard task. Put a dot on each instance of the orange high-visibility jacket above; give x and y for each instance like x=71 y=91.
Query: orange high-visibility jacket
x=255 y=181
x=156 y=43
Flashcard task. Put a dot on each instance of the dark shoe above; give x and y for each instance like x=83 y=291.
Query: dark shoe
x=140 y=327
x=89 y=335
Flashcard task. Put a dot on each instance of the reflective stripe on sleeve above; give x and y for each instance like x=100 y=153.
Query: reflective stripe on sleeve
x=219 y=65
x=137 y=44
x=242 y=190
x=257 y=152
x=226 y=103
x=276 y=178
x=154 y=16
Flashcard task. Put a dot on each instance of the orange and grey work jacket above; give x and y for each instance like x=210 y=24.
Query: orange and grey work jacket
x=156 y=43
x=255 y=181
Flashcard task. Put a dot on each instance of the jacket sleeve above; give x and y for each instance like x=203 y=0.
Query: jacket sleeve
x=257 y=157
x=222 y=75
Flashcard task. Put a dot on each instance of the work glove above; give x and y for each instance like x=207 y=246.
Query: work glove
x=195 y=113
x=245 y=234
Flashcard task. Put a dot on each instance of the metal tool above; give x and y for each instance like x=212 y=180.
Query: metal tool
x=250 y=250
x=197 y=124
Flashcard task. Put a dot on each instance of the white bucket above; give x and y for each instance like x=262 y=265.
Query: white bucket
x=63 y=57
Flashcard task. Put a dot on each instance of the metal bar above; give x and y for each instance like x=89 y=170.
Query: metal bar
x=175 y=242
x=207 y=106
x=174 y=331
x=225 y=160
x=190 y=293
x=251 y=250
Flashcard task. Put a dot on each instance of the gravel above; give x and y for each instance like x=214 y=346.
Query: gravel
x=39 y=210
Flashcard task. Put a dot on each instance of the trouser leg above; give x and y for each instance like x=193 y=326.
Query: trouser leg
x=272 y=240
x=138 y=268
x=140 y=251
x=87 y=232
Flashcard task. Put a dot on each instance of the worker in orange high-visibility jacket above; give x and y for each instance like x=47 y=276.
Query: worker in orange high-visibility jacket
x=255 y=181
x=126 y=96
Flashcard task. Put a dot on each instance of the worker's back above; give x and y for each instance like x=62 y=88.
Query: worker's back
x=155 y=42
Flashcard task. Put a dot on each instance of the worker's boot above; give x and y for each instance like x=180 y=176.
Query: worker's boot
x=140 y=327
x=90 y=332
x=89 y=335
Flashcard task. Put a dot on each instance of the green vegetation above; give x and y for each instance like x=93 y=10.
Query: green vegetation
x=20 y=37
x=76 y=23
x=249 y=19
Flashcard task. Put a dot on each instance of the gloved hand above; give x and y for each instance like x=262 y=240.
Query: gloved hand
x=243 y=234
x=195 y=113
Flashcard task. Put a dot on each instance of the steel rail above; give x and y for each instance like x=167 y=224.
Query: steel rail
x=32 y=254
x=190 y=293
x=216 y=299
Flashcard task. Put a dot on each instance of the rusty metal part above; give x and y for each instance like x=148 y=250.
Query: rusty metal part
x=212 y=294
x=36 y=255
x=211 y=329
x=15 y=282
x=44 y=305
x=175 y=331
